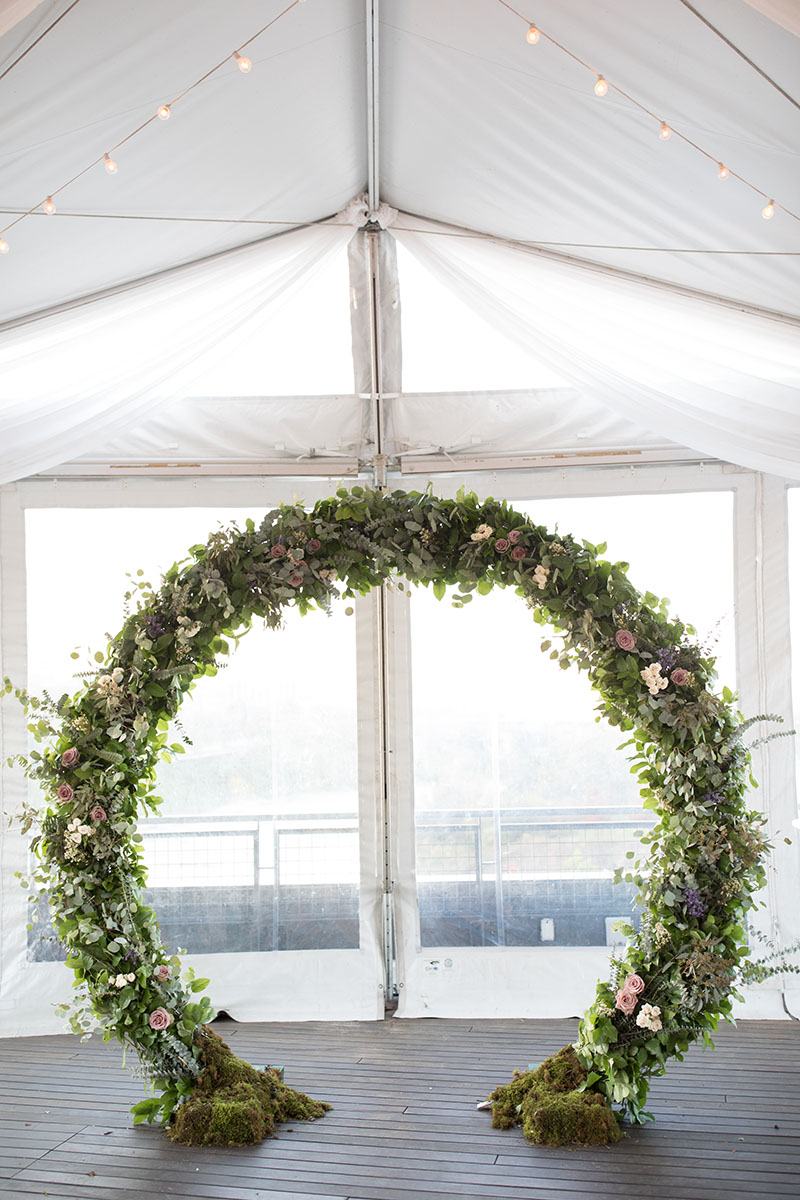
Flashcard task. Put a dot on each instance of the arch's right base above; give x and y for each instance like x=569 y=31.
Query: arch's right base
x=550 y=1108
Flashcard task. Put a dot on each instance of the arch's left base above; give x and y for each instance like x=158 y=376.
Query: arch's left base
x=235 y=1104
x=550 y=1108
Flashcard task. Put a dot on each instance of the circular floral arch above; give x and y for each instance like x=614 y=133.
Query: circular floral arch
x=705 y=854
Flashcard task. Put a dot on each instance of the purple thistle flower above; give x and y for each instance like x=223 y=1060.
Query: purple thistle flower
x=711 y=797
x=155 y=628
x=693 y=903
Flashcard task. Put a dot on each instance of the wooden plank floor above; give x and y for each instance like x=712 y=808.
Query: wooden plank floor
x=404 y=1124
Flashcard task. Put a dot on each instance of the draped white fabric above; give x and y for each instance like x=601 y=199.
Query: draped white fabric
x=723 y=382
x=72 y=380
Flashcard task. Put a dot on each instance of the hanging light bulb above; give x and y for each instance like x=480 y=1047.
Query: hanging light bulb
x=723 y=171
x=533 y=35
x=48 y=206
x=768 y=211
x=665 y=133
x=242 y=63
x=109 y=164
x=3 y=246
x=601 y=87
x=164 y=112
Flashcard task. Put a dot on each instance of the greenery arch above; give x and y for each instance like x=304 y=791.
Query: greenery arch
x=679 y=971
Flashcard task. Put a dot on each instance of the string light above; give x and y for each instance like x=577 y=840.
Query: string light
x=3 y=246
x=48 y=206
x=768 y=211
x=164 y=112
x=242 y=63
x=601 y=86
x=109 y=164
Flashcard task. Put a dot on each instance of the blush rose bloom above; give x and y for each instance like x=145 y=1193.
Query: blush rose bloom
x=65 y=793
x=278 y=550
x=501 y=545
x=518 y=553
x=98 y=813
x=625 y=639
x=626 y=1001
x=634 y=983
x=295 y=580
x=70 y=757
x=514 y=536
x=313 y=545
x=160 y=1019
x=162 y=973
x=680 y=677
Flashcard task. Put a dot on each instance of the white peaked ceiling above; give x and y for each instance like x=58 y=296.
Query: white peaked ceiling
x=476 y=128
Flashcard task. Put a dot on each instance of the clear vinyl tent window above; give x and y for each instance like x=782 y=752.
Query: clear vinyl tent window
x=524 y=806
x=793 y=501
x=256 y=847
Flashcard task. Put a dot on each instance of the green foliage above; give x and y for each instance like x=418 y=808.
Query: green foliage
x=703 y=859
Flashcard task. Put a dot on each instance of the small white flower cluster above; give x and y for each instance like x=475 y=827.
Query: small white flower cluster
x=108 y=685
x=482 y=533
x=540 y=576
x=654 y=679
x=75 y=830
x=121 y=981
x=649 y=1017
x=557 y=548
x=327 y=573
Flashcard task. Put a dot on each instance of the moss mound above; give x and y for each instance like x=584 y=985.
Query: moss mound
x=550 y=1109
x=233 y=1104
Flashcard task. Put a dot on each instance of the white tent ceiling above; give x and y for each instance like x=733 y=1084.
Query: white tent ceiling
x=475 y=127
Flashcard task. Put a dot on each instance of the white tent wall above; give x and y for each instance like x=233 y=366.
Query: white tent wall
x=494 y=981
x=650 y=311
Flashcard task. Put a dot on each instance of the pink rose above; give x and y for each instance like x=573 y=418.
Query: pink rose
x=278 y=550
x=501 y=545
x=98 y=813
x=518 y=553
x=70 y=757
x=160 y=1019
x=162 y=973
x=626 y=1001
x=625 y=639
x=296 y=579
x=65 y=793
x=680 y=677
x=514 y=536
x=313 y=545
x=634 y=983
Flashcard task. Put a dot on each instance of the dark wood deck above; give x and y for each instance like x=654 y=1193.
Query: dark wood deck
x=404 y=1125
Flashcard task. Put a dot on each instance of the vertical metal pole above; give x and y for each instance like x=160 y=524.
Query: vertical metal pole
x=382 y=621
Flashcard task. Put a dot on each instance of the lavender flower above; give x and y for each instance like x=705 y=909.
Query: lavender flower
x=155 y=628
x=668 y=656
x=711 y=797
x=693 y=904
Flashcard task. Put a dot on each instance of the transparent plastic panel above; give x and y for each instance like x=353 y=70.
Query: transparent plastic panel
x=257 y=844
x=793 y=497
x=524 y=806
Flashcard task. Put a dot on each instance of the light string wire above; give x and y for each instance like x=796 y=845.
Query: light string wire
x=643 y=108
x=105 y=156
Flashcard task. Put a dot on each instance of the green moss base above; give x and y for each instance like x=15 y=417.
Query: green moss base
x=550 y=1109
x=233 y=1104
